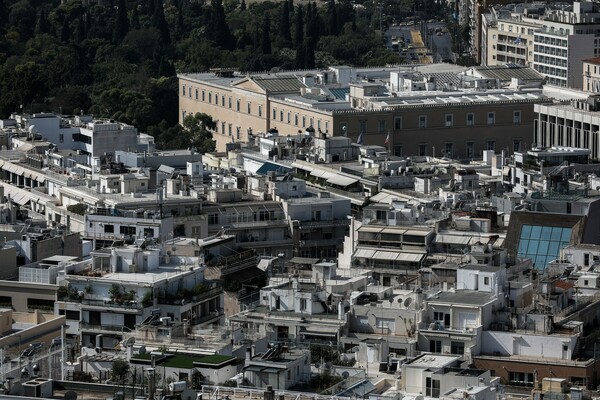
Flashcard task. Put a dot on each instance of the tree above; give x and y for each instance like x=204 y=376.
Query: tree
x=119 y=370
x=42 y=25
x=299 y=28
x=217 y=29
x=198 y=128
x=265 y=41
x=284 y=21
x=332 y=18
x=121 y=23
x=159 y=21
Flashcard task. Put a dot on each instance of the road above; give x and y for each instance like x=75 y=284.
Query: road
x=439 y=47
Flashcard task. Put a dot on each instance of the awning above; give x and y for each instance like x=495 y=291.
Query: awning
x=21 y=198
x=340 y=180
x=382 y=197
x=385 y=255
x=302 y=166
x=321 y=331
x=264 y=263
x=411 y=257
x=304 y=260
x=452 y=239
x=364 y=253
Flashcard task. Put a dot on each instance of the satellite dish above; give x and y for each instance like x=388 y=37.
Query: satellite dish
x=70 y=395
x=130 y=341
x=345 y=374
x=399 y=300
x=407 y=303
x=142 y=350
x=188 y=394
x=17 y=389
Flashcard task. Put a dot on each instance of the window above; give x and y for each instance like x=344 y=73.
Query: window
x=432 y=387
x=362 y=126
x=457 y=347
x=448 y=150
x=516 y=145
x=326 y=126
x=542 y=244
x=398 y=123
x=196 y=94
x=281 y=116
x=381 y=126
x=229 y=101
x=223 y=101
x=491 y=145
x=237 y=105
x=517 y=117
x=289 y=117
x=260 y=111
x=274 y=114
x=422 y=121
x=296 y=119
x=303 y=121
x=128 y=230
x=302 y=304
x=449 y=120
x=249 y=108
x=203 y=95
x=486 y=280
x=491 y=118
x=210 y=97
x=521 y=378
x=61 y=138
x=229 y=129
x=470 y=150
x=213 y=219
x=398 y=151
x=183 y=90
x=109 y=228
x=435 y=346
x=422 y=150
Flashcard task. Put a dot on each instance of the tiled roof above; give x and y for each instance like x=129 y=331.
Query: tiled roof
x=595 y=60
x=506 y=73
x=279 y=84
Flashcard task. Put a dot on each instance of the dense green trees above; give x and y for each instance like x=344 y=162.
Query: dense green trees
x=118 y=59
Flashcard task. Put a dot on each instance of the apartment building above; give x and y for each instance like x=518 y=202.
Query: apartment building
x=122 y=288
x=567 y=37
x=441 y=111
x=591 y=75
x=507 y=35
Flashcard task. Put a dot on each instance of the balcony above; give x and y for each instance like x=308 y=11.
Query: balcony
x=85 y=326
x=106 y=303
x=191 y=298
x=438 y=328
x=324 y=224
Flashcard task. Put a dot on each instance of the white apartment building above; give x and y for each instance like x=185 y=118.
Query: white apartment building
x=95 y=137
x=567 y=37
x=507 y=35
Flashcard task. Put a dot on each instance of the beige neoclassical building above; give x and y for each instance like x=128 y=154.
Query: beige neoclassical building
x=428 y=110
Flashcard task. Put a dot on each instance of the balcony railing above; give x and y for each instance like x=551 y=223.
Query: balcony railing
x=439 y=327
x=197 y=298
x=111 y=328
x=130 y=305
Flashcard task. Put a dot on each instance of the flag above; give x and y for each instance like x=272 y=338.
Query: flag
x=387 y=139
x=518 y=40
x=360 y=139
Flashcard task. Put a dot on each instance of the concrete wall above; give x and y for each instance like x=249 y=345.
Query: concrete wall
x=19 y=292
x=528 y=345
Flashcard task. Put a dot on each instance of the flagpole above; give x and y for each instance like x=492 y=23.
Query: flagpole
x=389 y=143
